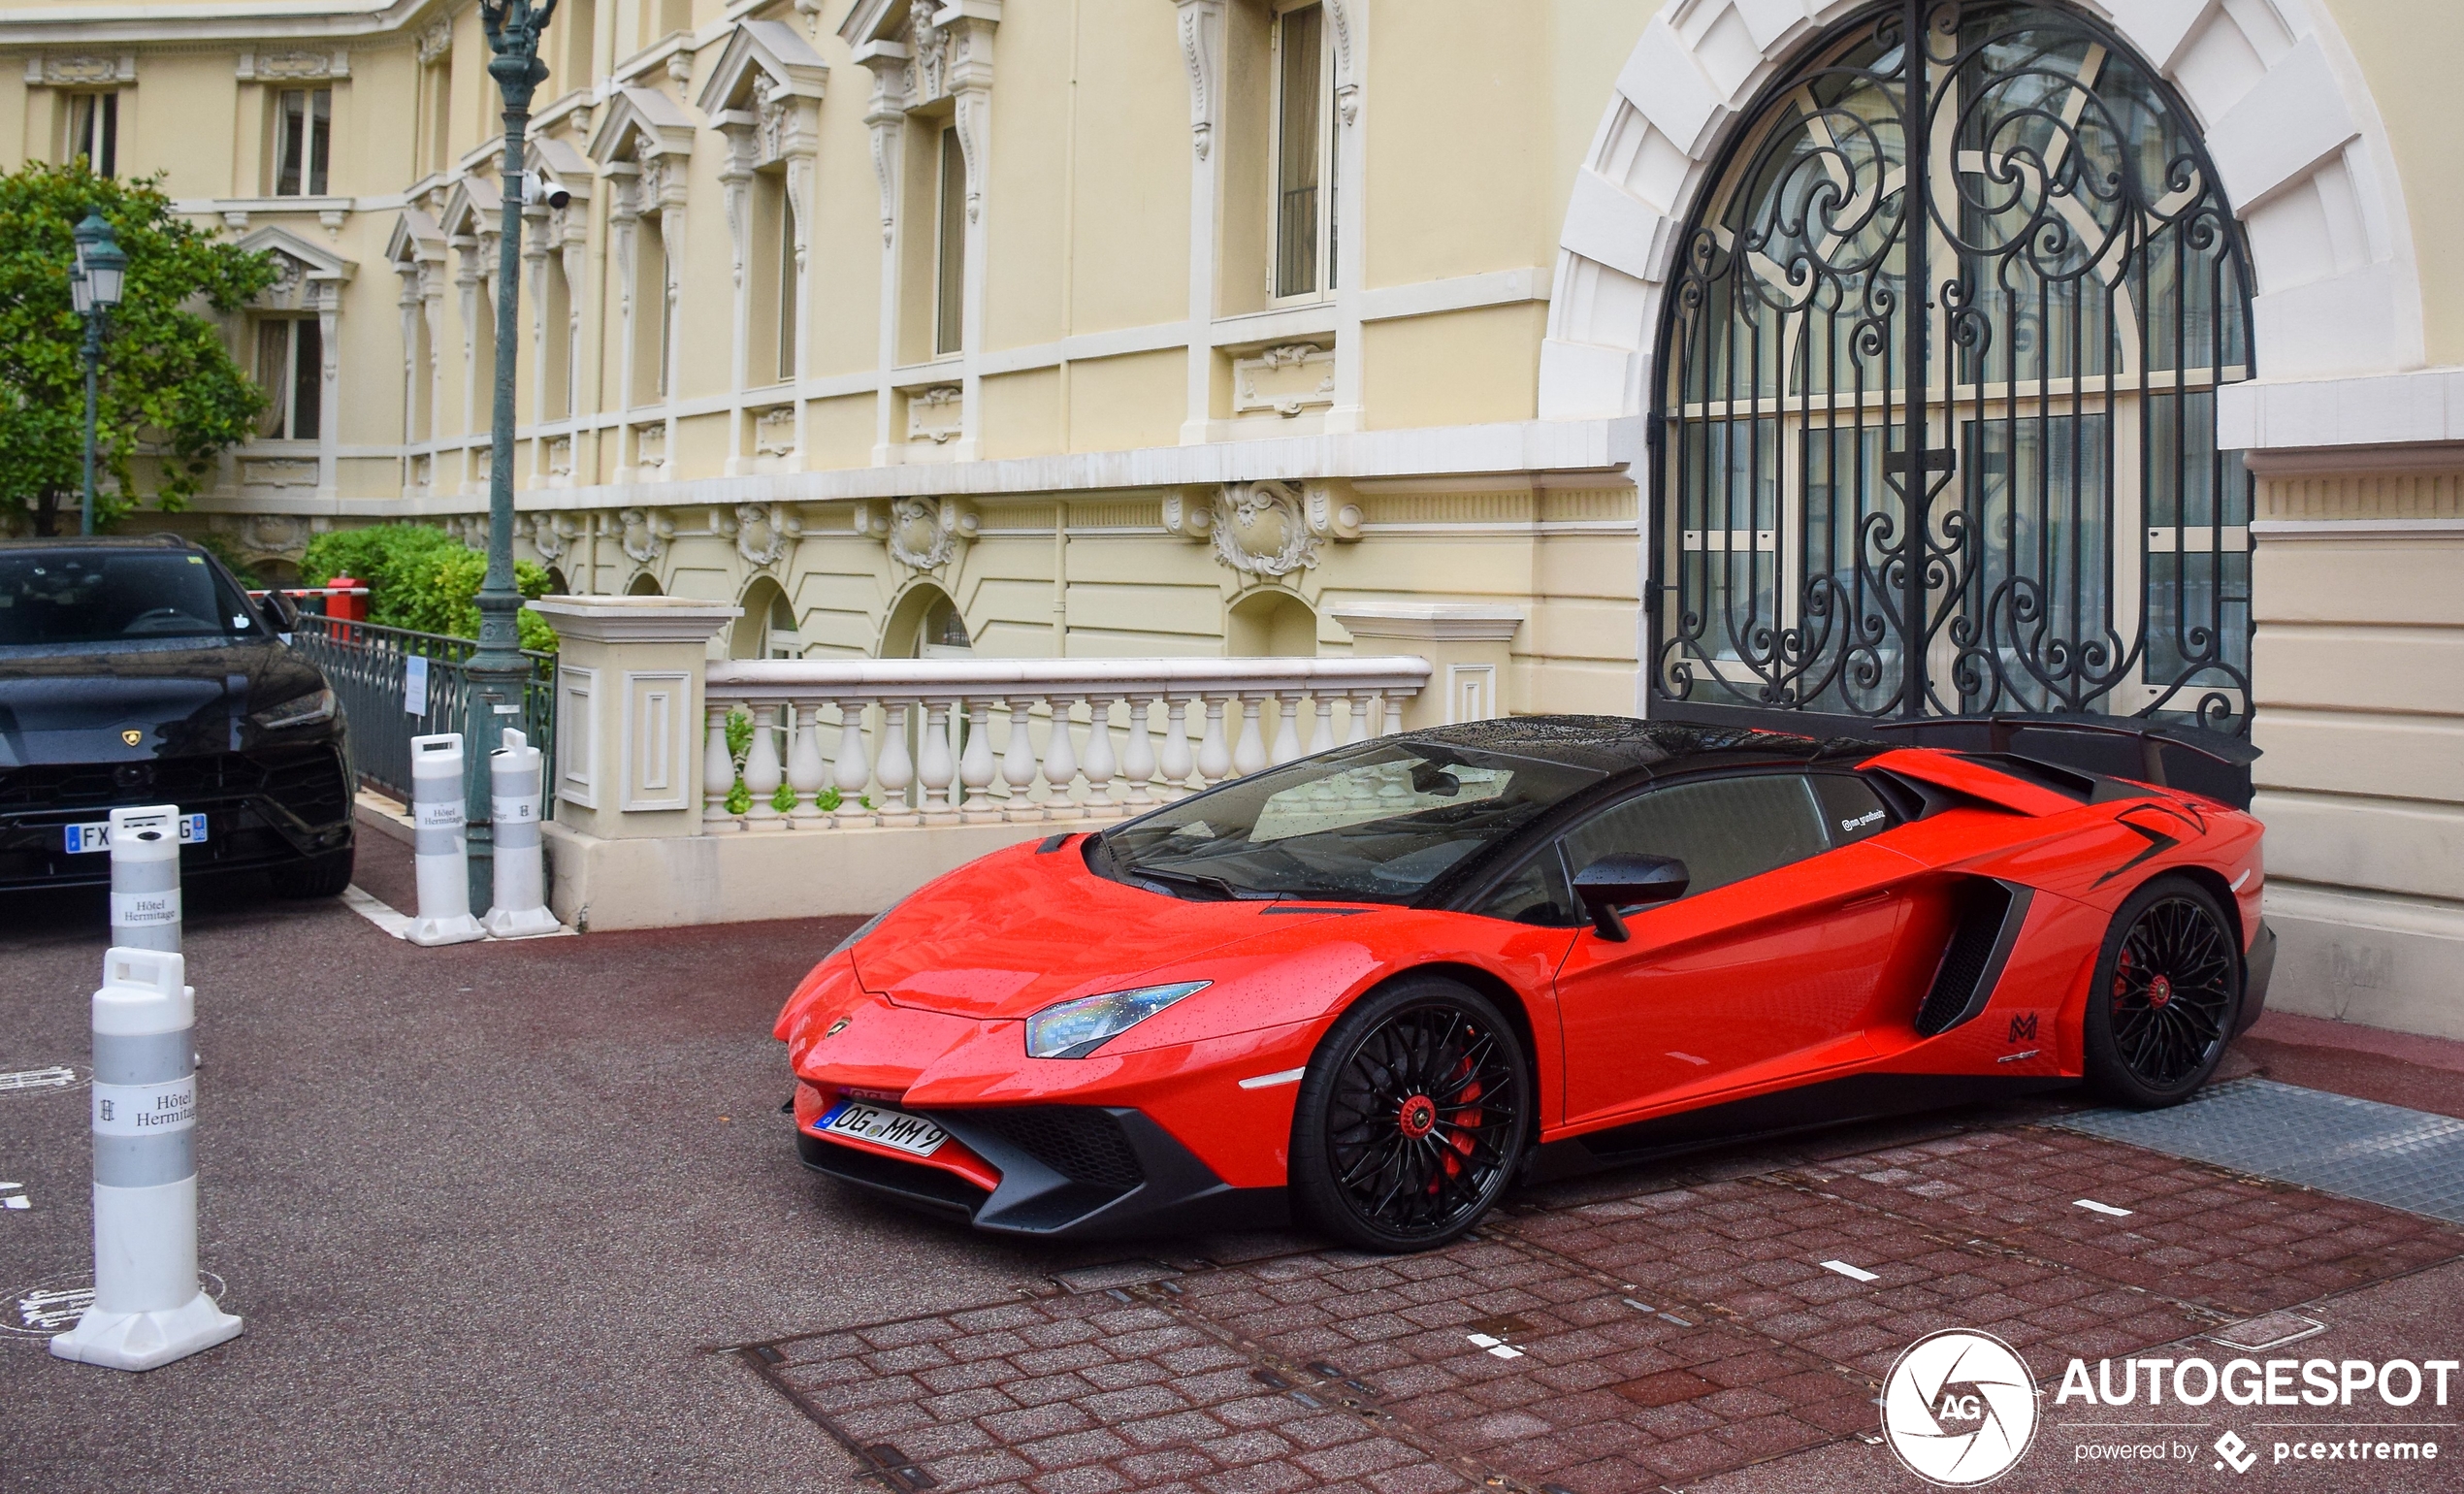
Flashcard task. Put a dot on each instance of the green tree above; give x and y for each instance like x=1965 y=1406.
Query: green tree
x=170 y=390
x=420 y=577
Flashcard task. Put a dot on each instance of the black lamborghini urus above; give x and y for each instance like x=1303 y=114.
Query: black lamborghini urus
x=136 y=673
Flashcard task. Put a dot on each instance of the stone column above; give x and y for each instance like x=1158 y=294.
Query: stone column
x=1468 y=646
x=628 y=708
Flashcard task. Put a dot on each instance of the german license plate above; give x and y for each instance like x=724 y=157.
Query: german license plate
x=882 y=1127
x=96 y=836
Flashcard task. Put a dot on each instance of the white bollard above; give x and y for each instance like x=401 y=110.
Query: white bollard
x=441 y=856
x=148 y=1308
x=146 y=878
x=521 y=863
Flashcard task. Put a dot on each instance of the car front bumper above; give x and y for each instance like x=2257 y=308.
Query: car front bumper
x=270 y=807
x=1060 y=1172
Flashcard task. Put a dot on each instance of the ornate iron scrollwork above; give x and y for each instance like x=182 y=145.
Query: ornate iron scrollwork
x=1943 y=441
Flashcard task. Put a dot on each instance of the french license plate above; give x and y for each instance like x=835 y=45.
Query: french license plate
x=885 y=1127
x=96 y=836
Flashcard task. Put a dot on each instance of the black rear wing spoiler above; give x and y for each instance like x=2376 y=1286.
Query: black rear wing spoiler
x=2172 y=756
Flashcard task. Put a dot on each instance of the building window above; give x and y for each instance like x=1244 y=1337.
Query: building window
x=94 y=132
x=303 y=139
x=291 y=370
x=785 y=290
x=1303 y=154
x=948 y=319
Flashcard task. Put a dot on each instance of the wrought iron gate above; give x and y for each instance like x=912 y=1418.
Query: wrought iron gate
x=1943 y=442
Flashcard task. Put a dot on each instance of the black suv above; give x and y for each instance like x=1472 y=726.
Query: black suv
x=137 y=672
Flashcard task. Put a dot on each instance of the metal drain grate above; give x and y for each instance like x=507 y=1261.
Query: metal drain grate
x=2359 y=1148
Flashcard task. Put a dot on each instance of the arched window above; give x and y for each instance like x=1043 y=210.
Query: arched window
x=926 y=624
x=767 y=628
x=1943 y=443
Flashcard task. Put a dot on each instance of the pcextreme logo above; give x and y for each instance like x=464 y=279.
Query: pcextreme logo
x=1960 y=1408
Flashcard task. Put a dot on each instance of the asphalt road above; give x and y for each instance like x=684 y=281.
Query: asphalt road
x=487 y=1210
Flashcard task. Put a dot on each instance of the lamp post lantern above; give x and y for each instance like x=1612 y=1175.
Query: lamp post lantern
x=95 y=281
x=498 y=673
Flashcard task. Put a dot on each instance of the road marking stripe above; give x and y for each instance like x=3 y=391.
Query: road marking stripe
x=57 y=1077
x=2093 y=1207
x=359 y=901
x=1849 y=1271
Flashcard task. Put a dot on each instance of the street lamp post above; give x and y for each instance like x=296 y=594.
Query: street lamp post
x=498 y=673
x=94 y=286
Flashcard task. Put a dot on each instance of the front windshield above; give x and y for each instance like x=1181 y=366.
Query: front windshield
x=50 y=597
x=1374 y=822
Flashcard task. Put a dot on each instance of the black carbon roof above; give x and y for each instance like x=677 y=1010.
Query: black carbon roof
x=1620 y=744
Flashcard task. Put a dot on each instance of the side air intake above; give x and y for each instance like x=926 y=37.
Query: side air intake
x=1989 y=914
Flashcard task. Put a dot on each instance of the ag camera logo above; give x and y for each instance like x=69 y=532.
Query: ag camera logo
x=1960 y=1408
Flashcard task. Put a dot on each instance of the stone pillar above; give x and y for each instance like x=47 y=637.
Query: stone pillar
x=1467 y=646
x=629 y=738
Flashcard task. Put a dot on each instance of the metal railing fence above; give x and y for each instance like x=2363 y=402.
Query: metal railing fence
x=370 y=668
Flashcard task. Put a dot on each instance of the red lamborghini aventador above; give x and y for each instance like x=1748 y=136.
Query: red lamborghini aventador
x=1373 y=988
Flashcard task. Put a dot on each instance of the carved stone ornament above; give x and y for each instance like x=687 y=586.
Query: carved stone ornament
x=298 y=65
x=278 y=473
x=436 y=40
x=1332 y=515
x=936 y=414
x=650 y=445
x=765 y=532
x=1190 y=514
x=774 y=432
x=1285 y=380
x=552 y=536
x=647 y=531
x=80 y=72
x=560 y=457
x=266 y=533
x=923 y=533
x=1262 y=529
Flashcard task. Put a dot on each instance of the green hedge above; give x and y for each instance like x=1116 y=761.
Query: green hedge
x=420 y=577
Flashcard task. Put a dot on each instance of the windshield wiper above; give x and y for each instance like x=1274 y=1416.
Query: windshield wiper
x=1223 y=891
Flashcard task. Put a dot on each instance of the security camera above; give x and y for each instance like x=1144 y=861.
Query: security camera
x=540 y=193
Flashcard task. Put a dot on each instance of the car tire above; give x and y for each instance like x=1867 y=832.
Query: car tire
x=1412 y=1117
x=316 y=876
x=2166 y=990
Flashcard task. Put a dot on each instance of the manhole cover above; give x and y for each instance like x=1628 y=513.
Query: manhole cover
x=59 y=1076
x=55 y=1304
x=2268 y=1332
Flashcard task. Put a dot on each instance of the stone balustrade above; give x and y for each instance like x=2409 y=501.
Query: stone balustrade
x=864 y=742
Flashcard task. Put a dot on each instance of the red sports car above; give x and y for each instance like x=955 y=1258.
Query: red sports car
x=1372 y=987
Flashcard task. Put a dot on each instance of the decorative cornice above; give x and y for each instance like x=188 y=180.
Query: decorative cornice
x=1434 y=622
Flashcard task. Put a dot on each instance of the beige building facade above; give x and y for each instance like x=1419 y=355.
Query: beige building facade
x=1190 y=328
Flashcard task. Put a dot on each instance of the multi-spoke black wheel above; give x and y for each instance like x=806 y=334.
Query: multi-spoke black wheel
x=1412 y=1117
x=2167 y=987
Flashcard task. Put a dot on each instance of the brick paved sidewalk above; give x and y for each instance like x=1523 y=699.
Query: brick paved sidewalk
x=1621 y=1344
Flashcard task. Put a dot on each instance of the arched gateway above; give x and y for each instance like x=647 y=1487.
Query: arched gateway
x=1943 y=441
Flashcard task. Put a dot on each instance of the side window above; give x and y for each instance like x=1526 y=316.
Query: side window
x=1725 y=830
x=1851 y=809
x=1538 y=893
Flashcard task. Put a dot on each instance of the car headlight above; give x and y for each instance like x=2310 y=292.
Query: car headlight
x=299 y=711
x=861 y=929
x=1073 y=1029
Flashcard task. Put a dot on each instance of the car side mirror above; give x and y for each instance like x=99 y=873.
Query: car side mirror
x=287 y=612
x=1623 y=880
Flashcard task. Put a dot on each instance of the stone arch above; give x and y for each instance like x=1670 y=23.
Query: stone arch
x=767 y=624
x=2287 y=116
x=645 y=584
x=1268 y=621
x=925 y=622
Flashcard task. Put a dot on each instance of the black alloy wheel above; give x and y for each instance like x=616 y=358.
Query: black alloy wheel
x=1412 y=1117
x=2167 y=987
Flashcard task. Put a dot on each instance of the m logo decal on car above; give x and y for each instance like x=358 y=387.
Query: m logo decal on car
x=2024 y=1028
